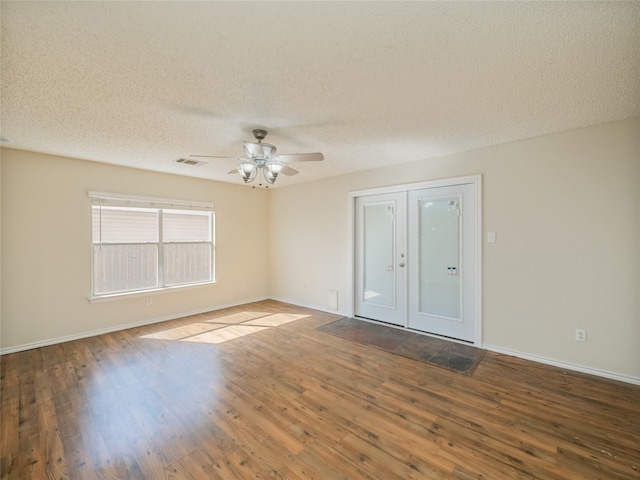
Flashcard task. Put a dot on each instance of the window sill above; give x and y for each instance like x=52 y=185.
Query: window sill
x=147 y=293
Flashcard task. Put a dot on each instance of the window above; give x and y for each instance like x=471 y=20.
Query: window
x=149 y=244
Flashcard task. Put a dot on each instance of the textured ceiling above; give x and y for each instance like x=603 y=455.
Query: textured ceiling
x=367 y=83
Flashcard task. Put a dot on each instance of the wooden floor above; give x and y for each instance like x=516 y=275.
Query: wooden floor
x=257 y=392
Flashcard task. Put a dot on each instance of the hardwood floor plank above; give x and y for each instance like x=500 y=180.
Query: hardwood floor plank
x=499 y=449
x=55 y=460
x=9 y=424
x=257 y=392
x=608 y=467
x=381 y=464
x=189 y=467
x=328 y=462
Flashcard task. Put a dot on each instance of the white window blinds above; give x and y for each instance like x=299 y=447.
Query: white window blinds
x=124 y=224
x=141 y=243
x=186 y=226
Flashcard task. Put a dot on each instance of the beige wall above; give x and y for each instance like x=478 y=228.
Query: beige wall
x=46 y=254
x=566 y=209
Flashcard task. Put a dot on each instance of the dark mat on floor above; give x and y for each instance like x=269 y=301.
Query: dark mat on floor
x=434 y=351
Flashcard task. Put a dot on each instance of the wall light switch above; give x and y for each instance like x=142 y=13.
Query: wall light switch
x=491 y=237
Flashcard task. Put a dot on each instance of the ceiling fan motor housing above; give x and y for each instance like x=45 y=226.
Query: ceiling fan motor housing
x=259 y=150
x=259 y=134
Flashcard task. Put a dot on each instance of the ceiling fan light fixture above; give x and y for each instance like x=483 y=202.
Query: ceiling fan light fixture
x=274 y=166
x=247 y=171
x=269 y=177
x=271 y=170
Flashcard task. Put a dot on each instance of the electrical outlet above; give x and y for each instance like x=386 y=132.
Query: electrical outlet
x=581 y=335
x=149 y=301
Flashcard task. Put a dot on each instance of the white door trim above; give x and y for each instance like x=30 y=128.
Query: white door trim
x=476 y=180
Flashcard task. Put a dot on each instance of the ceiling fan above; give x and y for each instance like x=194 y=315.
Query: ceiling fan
x=262 y=156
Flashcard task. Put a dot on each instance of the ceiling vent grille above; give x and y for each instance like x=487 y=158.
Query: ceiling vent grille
x=190 y=161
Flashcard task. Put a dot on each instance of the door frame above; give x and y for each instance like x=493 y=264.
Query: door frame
x=476 y=181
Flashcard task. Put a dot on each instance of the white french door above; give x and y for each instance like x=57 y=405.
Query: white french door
x=442 y=270
x=416 y=259
x=380 y=258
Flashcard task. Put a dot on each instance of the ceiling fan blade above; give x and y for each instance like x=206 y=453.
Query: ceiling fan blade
x=301 y=157
x=213 y=156
x=235 y=170
x=289 y=171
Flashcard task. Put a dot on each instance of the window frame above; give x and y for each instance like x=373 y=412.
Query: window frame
x=160 y=205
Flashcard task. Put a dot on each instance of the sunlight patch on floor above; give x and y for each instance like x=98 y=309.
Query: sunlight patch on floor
x=223 y=329
x=225 y=334
x=238 y=317
x=185 y=331
x=276 y=319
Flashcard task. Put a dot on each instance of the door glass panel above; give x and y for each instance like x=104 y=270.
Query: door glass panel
x=439 y=256
x=378 y=254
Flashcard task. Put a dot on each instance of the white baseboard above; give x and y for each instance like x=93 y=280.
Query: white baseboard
x=93 y=333
x=566 y=365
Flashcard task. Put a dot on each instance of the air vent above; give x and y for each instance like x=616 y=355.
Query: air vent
x=190 y=161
